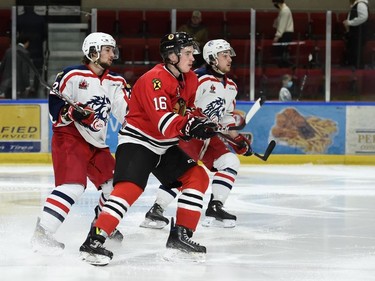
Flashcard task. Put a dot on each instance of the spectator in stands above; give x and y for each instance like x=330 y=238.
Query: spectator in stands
x=35 y=27
x=284 y=31
x=287 y=84
x=199 y=31
x=23 y=71
x=355 y=26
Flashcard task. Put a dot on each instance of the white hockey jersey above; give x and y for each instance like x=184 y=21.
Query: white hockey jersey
x=217 y=99
x=105 y=94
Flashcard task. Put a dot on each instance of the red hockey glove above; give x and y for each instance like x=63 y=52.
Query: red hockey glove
x=243 y=146
x=85 y=118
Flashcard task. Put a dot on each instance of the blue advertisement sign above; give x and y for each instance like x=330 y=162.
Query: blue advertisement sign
x=298 y=128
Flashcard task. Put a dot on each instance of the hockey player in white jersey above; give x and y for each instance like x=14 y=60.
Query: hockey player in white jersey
x=78 y=143
x=216 y=97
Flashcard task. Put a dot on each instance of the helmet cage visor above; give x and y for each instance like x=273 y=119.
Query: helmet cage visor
x=97 y=49
x=232 y=53
x=196 y=49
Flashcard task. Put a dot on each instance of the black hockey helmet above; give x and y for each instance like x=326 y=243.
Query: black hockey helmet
x=174 y=42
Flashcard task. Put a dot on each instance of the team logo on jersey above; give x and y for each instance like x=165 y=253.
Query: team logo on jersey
x=83 y=84
x=215 y=110
x=102 y=108
x=212 y=89
x=157 y=84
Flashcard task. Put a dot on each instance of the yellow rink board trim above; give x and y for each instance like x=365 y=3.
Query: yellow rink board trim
x=45 y=158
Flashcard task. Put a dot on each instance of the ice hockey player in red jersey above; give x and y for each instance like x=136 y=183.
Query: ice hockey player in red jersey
x=78 y=143
x=149 y=144
x=216 y=96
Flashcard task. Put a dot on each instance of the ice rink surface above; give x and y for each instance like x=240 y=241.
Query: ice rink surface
x=294 y=222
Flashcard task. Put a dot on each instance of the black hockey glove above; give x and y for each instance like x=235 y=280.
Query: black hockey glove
x=199 y=128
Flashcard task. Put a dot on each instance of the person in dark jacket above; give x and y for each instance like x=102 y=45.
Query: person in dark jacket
x=23 y=70
x=355 y=26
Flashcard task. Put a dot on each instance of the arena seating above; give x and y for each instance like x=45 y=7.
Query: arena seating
x=368 y=84
x=237 y=24
x=5 y=22
x=337 y=52
x=241 y=75
x=369 y=54
x=152 y=50
x=264 y=24
x=130 y=72
x=140 y=38
x=4 y=45
x=317 y=28
x=132 y=23
x=242 y=49
x=132 y=49
x=158 y=23
x=301 y=25
x=107 y=21
x=215 y=23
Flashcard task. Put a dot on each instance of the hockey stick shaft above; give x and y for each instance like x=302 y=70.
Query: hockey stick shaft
x=48 y=87
x=302 y=86
x=254 y=109
x=265 y=155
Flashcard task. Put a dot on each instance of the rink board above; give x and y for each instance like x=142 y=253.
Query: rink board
x=305 y=132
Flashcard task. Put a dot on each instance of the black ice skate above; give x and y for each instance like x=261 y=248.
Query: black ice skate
x=179 y=239
x=116 y=235
x=154 y=218
x=44 y=242
x=217 y=216
x=92 y=250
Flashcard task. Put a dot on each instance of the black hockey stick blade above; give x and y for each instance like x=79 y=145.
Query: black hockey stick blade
x=268 y=151
x=266 y=154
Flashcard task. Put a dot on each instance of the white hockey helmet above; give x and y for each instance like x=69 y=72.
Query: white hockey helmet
x=213 y=47
x=94 y=42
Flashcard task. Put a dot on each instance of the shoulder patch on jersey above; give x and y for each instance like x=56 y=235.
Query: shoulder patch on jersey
x=157 y=84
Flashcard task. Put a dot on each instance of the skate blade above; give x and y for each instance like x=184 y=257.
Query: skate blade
x=116 y=236
x=147 y=223
x=46 y=250
x=174 y=255
x=97 y=260
x=212 y=222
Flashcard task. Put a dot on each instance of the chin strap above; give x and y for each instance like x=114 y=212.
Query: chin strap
x=218 y=71
x=97 y=63
x=175 y=66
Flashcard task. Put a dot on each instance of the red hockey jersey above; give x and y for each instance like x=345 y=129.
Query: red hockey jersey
x=151 y=120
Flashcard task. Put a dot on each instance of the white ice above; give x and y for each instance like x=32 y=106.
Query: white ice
x=305 y=222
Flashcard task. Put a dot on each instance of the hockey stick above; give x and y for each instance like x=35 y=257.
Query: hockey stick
x=265 y=155
x=302 y=86
x=48 y=87
x=254 y=109
x=267 y=152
